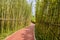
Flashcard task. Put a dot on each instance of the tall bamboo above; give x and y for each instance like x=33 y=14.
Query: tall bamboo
x=14 y=15
x=47 y=17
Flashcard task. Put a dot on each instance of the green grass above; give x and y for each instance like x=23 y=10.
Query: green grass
x=4 y=35
x=33 y=19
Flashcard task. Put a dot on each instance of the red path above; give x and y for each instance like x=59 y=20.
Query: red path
x=23 y=34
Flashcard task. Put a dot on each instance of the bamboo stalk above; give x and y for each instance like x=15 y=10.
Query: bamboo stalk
x=2 y=24
x=8 y=15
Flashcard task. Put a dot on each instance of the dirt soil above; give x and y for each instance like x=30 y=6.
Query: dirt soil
x=23 y=34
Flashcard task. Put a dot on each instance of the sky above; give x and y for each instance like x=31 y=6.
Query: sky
x=33 y=6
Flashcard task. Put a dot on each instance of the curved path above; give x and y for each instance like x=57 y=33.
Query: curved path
x=23 y=34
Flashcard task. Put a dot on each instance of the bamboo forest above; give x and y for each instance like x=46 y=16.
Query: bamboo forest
x=14 y=15
x=47 y=20
x=29 y=19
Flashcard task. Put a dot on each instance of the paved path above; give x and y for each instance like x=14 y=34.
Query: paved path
x=23 y=34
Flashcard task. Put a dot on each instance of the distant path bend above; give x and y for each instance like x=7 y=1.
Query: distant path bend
x=23 y=34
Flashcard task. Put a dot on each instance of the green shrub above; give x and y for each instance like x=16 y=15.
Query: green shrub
x=33 y=19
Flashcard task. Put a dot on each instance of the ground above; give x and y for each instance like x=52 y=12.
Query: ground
x=23 y=34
